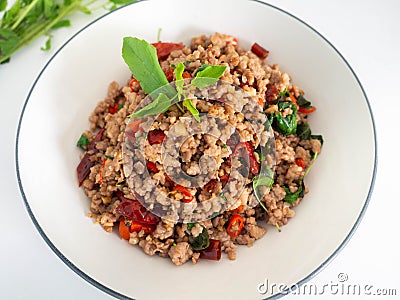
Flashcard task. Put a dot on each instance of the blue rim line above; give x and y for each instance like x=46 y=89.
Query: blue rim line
x=123 y=297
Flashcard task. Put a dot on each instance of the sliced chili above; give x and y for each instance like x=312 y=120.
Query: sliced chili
x=260 y=51
x=164 y=49
x=152 y=167
x=212 y=252
x=300 y=162
x=156 y=136
x=169 y=73
x=124 y=231
x=307 y=110
x=113 y=109
x=235 y=225
x=188 y=197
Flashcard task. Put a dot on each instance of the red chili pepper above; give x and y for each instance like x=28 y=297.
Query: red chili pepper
x=186 y=75
x=224 y=177
x=210 y=186
x=237 y=209
x=235 y=225
x=307 y=110
x=103 y=164
x=133 y=84
x=124 y=231
x=169 y=73
x=212 y=252
x=261 y=101
x=271 y=93
x=168 y=180
x=83 y=169
x=135 y=125
x=293 y=98
x=184 y=191
x=164 y=49
x=156 y=136
x=113 y=109
x=152 y=167
x=133 y=210
x=259 y=51
x=300 y=162
x=234 y=42
x=254 y=167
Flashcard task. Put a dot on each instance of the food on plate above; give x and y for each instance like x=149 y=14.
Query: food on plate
x=227 y=178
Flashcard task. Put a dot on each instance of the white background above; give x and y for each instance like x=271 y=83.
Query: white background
x=365 y=32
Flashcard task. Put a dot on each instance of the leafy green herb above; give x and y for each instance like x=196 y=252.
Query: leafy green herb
x=174 y=244
x=292 y=197
x=264 y=178
x=214 y=214
x=190 y=225
x=142 y=60
x=286 y=125
x=109 y=157
x=120 y=106
x=224 y=146
x=47 y=45
x=303 y=102
x=26 y=20
x=221 y=195
x=304 y=131
x=159 y=105
x=179 y=78
x=201 y=241
x=208 y=76
x=317 y=137
x=83 y=141
x=284 y=93
x=193 y=110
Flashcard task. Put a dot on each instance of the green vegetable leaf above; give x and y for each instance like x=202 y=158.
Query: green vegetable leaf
x=3 y=5
x=208 y=76
x=109 y=157
x=62 y=23
x=292 y=197
x=190 y=225
x=159 y=105
x=179 y=78
x=201 y=241
x=10 y=15
x=47 y=46
x=284 y=93
x=303 y=102
x=141 y=58
x=9 y=41
x=265 y=178
x=193 y=110
x=286 y=125
x=317 y=137
x=83 y=141
x=48 y=8
x=303 y=131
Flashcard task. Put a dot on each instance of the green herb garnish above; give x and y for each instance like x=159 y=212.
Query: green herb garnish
x=27 y=20
x=142 y=60
x=303 y=102
x=286 y=125
x=83 y=141
x=264 y=178
x=292 y=197
x=190 y=225
x=284 y=93
x=201 y=241
x=109 y=157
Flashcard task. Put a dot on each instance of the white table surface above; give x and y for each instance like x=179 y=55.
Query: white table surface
x=365 y=32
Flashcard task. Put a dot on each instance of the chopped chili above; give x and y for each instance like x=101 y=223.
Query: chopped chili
x=188 y=197
x=307 y=110
x=300 y=162
x=235 y=225
x=156 y=136
x=212 y=252
x=261 y=52
x=152 y=167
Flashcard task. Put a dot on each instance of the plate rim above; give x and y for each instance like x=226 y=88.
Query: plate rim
x=118 y=295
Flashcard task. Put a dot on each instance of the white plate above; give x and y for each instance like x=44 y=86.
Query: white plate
x=76 y=78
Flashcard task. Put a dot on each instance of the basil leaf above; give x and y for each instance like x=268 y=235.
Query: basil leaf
x=303 y=102
x=62 y=23
x=9 y=40
x=201 y=241
x=141 y=58
x=266 y=178
x=3 y=5
x=292 y=197
x=317 y=137
x=304 y=131
x=159 y=105
x=179 y=78
x=286 y=125
x=202 y=67
x=190 y=225
x=208 y=76
x=284 y=93
x=47 y=46
x=193 y=110
x=83 y=141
